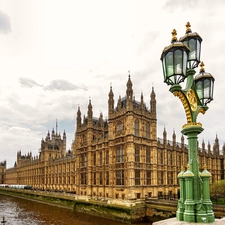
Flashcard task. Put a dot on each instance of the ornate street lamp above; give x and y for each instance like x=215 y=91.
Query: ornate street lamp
x=179 y=61
x=204 y=85
x=174 y=59
x=193 y=41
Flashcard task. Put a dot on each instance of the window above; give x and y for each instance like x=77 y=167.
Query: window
x=100 y=158
x=147 y=131
x=160 y=194
x=120 y=177
x=100 y=178
x=137 y=177
x=107 y=157
x=148 y=156
x=160 y=177
x=160 y=157
x=119 y=127
x=138 y=195
x=148 y=177
x=178 y=160
x=94 y=178
x=83 y=159
x=120 y=154
x=137 y=154
x=136 y=128
x=107 y=178
x=170 y=178
x=170 y=160
x=83 y=178
x=94 y=159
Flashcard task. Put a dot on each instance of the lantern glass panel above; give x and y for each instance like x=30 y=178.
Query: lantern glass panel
x=192 y=46
x=207 y=88
x=178 y=61
x=169 y=64
x=184 y=62
x=198 y=50
x=164 y=68
x=199 y=89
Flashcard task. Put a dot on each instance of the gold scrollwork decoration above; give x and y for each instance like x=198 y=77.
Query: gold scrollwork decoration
x=184 y=101
x=192 y=99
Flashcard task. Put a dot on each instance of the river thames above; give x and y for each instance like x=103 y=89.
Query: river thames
x=18 y=211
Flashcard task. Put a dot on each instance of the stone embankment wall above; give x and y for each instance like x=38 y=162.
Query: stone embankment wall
x=130 y=212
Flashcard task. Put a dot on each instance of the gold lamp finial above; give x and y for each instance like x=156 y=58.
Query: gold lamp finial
x=188 y=166
x=202 y=67
x=188 y=28
x=174 y=35
x=205 y=167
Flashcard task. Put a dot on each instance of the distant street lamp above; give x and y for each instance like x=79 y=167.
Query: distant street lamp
x=179 y=61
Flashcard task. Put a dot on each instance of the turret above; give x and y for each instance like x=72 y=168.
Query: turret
x=53 y=133
x=209 y=148
x=142 y=102
x=101 y=120
x=110 y=103
x=129 y=93
x=216 y=146
x=90 y=112
x=164 y=136
x=153 y=102
x=78 y=118
x=174 y=138
x=203 y=147
x=182 y=141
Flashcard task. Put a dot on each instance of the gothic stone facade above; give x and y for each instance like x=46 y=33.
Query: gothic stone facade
x=118 y=158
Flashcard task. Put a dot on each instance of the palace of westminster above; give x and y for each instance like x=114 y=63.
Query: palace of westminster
x=118 y=158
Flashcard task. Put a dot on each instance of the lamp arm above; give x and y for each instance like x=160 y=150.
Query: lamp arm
x=190 y=79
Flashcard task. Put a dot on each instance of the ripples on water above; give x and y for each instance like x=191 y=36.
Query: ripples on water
x=19 y=211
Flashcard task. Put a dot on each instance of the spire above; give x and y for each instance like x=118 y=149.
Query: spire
x=90 y=113
x=203 y=146
x=119 y=103
x=153 y=102
x=56 y=127
x=129 y=91
x=110 y=102
x=216 y=146
x=174 y=137
x=164 y=135
x=78 y=117
x=142 y=101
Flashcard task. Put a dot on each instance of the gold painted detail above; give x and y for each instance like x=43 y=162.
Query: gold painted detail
x=192 y=124
x=201 y=110
x=192 y=99
x=174 y=35
x=180 y=95
x=188 y=28
x=205 y=167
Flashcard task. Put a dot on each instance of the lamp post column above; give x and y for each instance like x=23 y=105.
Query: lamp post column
x=180 y=210
x=192 y=132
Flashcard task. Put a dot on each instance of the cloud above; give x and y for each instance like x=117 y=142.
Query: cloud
x=5 y=24
x=62 y=85
x=175 y=4
x=26 y=82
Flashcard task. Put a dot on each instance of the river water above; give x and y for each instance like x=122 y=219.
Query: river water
x=18 y=211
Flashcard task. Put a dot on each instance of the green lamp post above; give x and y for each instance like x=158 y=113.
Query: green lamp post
x=179 y=61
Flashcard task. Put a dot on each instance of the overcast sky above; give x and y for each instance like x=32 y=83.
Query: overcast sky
x=58 y=54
